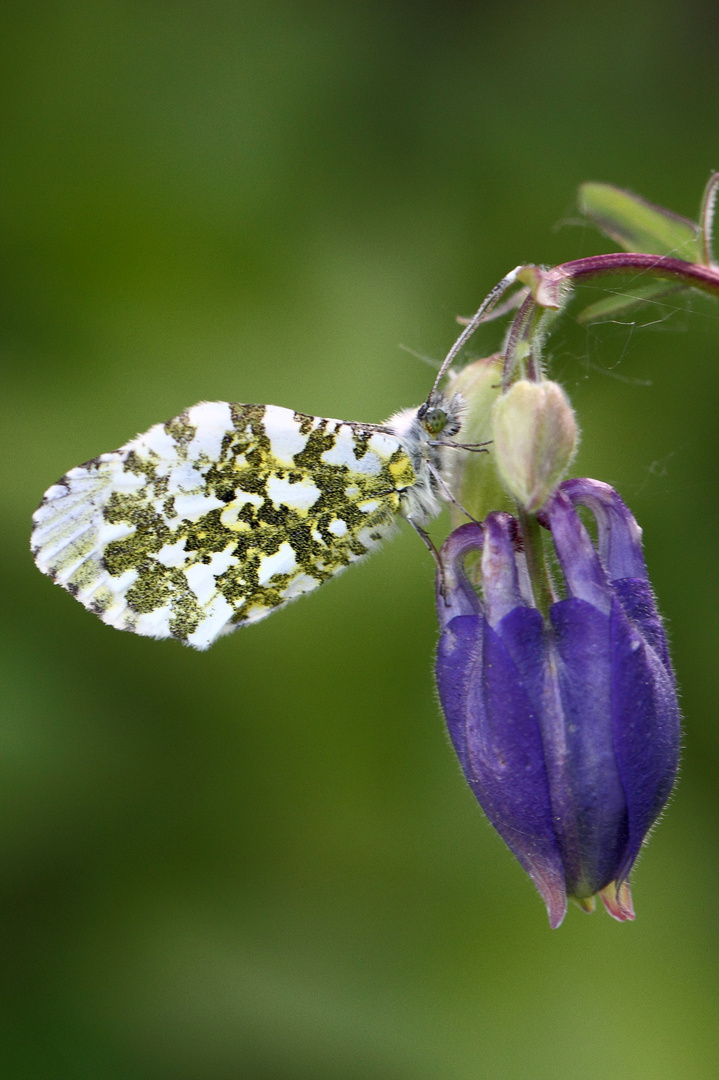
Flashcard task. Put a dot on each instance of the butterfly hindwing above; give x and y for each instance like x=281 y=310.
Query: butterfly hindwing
x=219 y=517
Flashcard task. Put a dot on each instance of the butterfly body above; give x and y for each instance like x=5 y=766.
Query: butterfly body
x=224 y=514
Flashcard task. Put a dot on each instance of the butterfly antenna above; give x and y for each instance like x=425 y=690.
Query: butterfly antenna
x=477 y=319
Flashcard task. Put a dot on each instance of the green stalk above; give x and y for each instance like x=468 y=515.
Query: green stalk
x=533 y=541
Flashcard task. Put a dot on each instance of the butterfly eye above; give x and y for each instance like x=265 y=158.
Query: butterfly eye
x=435 y=421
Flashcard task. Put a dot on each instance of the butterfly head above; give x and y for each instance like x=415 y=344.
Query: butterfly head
x=441 y=416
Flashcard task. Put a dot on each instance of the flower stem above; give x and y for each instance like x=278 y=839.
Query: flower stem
x=549 y=290
x=520 y=358
x=533 y=541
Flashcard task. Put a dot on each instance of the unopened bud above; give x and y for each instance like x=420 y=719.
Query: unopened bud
x=474 y=480
x=535 y=438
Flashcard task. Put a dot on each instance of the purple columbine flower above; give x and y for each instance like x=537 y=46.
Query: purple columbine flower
x=566 y=724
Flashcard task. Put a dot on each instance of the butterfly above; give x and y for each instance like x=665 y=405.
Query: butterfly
x=227 y=512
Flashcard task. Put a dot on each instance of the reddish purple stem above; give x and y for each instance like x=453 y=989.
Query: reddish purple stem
x=691 y=274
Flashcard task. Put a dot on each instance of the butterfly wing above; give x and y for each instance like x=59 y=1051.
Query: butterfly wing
x=219 y=517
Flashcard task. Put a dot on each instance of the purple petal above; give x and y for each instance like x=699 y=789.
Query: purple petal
x=618 y=535
x=587 y=794
x=620 y=551
x=646 y=731
x=584 y=574
x=637 y=601
x=455 y=593
x=496 y=734
x=500 y=579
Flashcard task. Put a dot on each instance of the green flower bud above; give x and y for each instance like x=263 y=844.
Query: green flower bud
x=535 y=438
x=475 y=482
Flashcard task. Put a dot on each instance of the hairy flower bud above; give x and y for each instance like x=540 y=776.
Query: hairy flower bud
x=474 y=479
x=567 y=729
x=535 y=438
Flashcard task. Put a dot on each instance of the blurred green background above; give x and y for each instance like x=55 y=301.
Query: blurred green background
x=261 y=863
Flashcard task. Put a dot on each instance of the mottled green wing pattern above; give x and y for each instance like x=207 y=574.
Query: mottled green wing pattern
x=219 y=517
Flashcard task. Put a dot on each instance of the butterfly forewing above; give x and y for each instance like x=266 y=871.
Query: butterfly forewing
x=219 y=517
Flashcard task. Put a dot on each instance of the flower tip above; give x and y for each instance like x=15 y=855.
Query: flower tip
x=554 y=895
x=618 y=901
x=556 y=915
x=586 y=903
